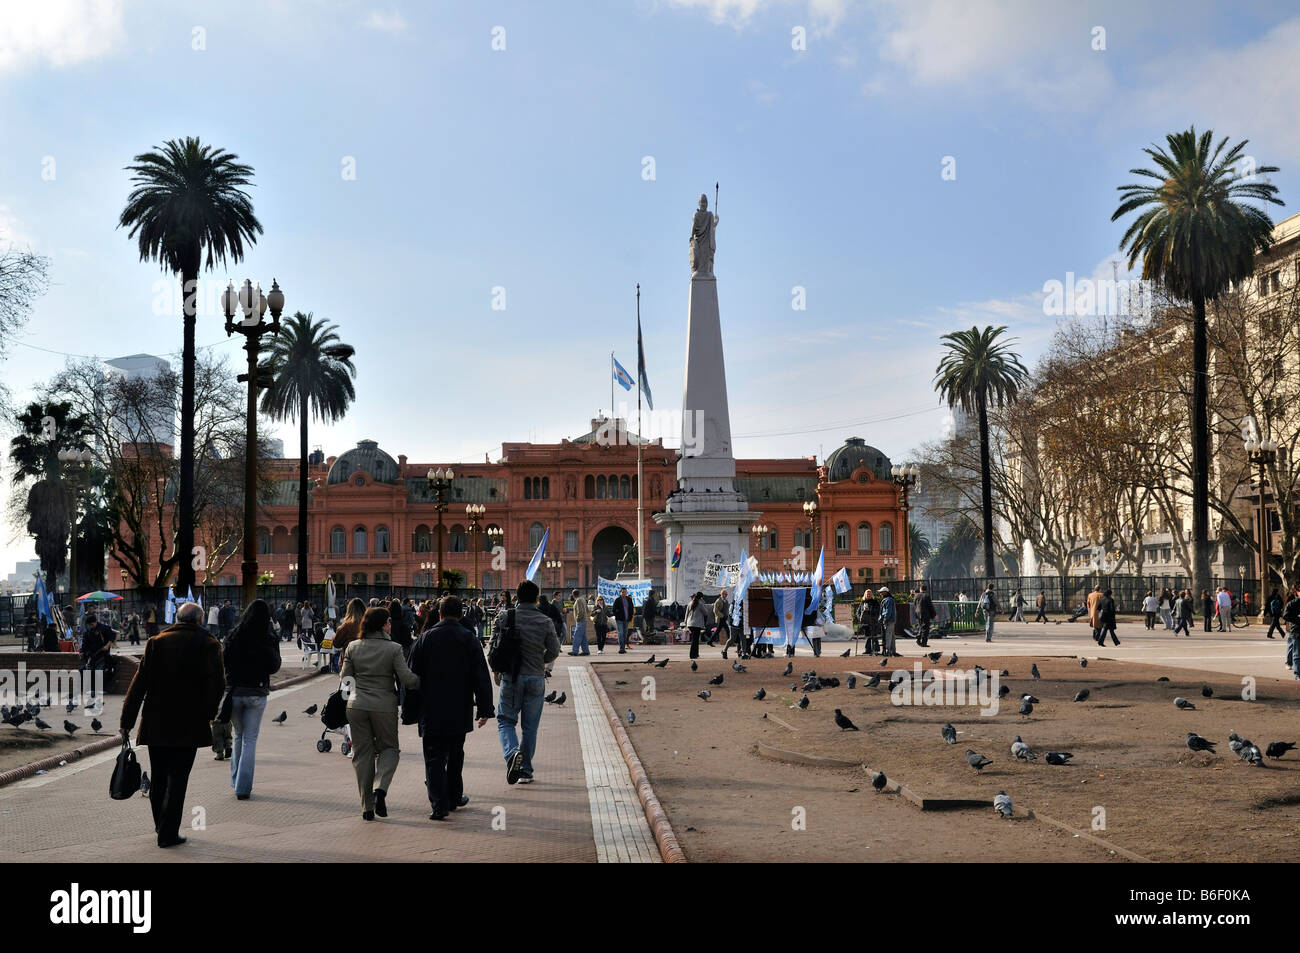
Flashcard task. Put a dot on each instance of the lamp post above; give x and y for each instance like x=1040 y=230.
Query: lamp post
x=905 y=478
x=1241 y=588
x=428 y=569
x=810 y=511
x=475 y=513
x=1263 y=454
x=252 y=304
x=495 y=537
x=439 y=484
x=760 y=531
x=82 y=457
x=293 y=573
x=555 y=565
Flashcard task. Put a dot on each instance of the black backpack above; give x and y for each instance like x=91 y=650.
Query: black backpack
x=506 y=653
x=335 y=713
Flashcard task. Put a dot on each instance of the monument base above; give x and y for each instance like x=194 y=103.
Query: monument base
x=705 y=536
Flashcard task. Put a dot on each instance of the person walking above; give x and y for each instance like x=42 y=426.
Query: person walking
x=600 y=622
x=1165 y=606
x=1150 y=605
x=399 y=631
x=697 y=620
x=455 y=686
x=151 y=622
x=226 y=618
x=1224 y=599
x=988 y=604
x=650 y=611
x=1183 y=613
x=623 y=612
x=1094 y=618
x=1018 y=603
x=925 y=614
x=519 y=703
x=888 y=616
x=176 y=690
x=1273 y=608
x=372 y=665
x=868 y=620
x=722 y=622
x=1106 y=610
x=349 y=629
x=581 y=619
x=1291 y=614
x=252 y=655
x=1041 y=603
x=133 y=628
x=1208 y=608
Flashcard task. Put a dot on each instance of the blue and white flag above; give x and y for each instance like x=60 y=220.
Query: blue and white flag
x=535 y=563
x=841 y=581
x=817 y=575
x=621 y=377
x=189 y=597
x=789 y=605
x=169 y=607
x=745 y=576
x=42 y=599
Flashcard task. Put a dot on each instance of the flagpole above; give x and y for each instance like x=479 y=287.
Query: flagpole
x=611 y=385
x=640 y=481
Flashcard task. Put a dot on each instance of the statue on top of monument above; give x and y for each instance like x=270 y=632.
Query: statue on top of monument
x=703 y=240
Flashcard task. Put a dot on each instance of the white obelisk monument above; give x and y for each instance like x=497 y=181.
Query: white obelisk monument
x=704 y=513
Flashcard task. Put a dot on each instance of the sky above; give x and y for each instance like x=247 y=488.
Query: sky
x=472 y=191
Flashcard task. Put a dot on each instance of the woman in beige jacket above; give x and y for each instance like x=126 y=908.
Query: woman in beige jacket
x=371 y=667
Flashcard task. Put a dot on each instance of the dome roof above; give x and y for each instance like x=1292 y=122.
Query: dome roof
x=856 y=453
x=366 y=456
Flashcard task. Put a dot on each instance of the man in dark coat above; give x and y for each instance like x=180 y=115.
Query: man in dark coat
x=924 y=616
x=226 y=619
x=454 y=685
x=180 y=682
x=623 y=613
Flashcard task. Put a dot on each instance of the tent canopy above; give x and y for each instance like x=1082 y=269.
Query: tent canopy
x=99 y=595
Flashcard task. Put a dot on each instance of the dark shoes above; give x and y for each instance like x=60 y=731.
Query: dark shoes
x=438 y=816
x=367 y=815
x=515 y=767
x=242 y=797
x=525 y=777
x=460 y=801
x=380 y=807
x=172 y=841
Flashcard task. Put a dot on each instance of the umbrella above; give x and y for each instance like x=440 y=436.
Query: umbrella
x=99 y=595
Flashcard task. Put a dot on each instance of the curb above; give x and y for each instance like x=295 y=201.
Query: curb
x=24 y=771
x=669 y=849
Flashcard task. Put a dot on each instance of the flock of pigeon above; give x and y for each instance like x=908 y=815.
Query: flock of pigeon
x=19 y=715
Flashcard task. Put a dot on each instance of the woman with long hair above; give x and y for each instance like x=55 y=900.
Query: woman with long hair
x=251 y=655
x=372 y=665
x=697 y=620
x=350 y=628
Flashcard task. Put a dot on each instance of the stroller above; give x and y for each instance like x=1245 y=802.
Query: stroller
x=334 y=716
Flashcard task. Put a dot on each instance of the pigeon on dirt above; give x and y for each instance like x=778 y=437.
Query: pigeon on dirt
x=1033 y=670
x=1082 y=695
x=934 y=656
x=631 y=717
x=977 y=761
x=716 y=679
x=852 y=681
x=650 y=660
x=760 y=694
x=1002 y=804
x=95 y=725
x=1184 y=704
x=1026 y=697
x=794 y=687
x=1021 y=751
x=874 y=680
x=1004 y=691
x=1277 y=749
x=281 y=718
x=662 y=664
x=1083 y=663
x=878 y=781
x=1059 y=757
x=695 y=667
x=1196 y=743
x=949 y=734
x=843 y=722
x=884 y=661
x=1251 y=754
x=1207 y=691
x=953 y=660
x=1026 y=707
x=845 y=653
x=551 y=697
x=706 y=694
x=1236 y=742
x=737 y=667
x=789 y=667
x=803 y=701
x=70 y=728
x=309 y=710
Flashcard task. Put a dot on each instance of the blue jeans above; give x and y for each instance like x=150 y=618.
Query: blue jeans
x=621 y=625
x=521 y=697
x=580 y=646
x=246 y=719
x=989 y=619
x=1293 y=653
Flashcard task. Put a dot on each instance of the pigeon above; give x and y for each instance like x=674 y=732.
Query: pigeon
x=1236 y=742
x=1059 y=757
x=1184 y=704
x=562 y=699
x=1004 y=673
x=631 y=717
x=1004 y=691
x=843 y=722
x=953 y=660
x=1030 y=698
x=95 y=725
x=737 y=667
x=649 y=660
x=1082 y=695
x=72 y=706
x=42 y=725
x=1002 y=804
x=852 y=681
x=760 y=694
x=145 y=784
x=794 y=687
x=884 y=661
x=695 y=667
x=789 y=667
x=1207 y=691
x=1083 y=663
x=551 y=697
x=874 y=680
x=1021 y=751
x=803 y=701
x=1250 y=753
x=716 y=679
x=1196 y=743
x=281 y=718
x=1026 y=707
x=1277 y=749
x=977 y=761
x=949 y=734
x=70 y=728
x=706 y=694
x=845 y=653
x=662 y=664
x=934 y=656
x=309 y=710
x=878 y=781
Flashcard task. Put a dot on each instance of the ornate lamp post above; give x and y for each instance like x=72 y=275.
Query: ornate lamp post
x=83 y=458
x=905 y=478
x=555 y=565
x=253 y=305
x=495 y=537
x=439 y=484
x=1263 y=454
x=293 y=573
x=760 y=531
x=475 y=513
x=810 y=511
x=428 y=568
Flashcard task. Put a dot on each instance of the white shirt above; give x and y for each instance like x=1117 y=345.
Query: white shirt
x=1225 y=599
x=1150 y=604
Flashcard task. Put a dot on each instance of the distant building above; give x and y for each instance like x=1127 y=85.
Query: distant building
x=157 y=427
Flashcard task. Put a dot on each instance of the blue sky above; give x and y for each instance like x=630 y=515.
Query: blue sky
x=523 y=168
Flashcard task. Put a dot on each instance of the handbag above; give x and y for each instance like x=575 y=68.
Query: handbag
x=125 y=781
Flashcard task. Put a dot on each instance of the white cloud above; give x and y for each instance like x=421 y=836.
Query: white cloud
x=823 y=14
x=58 y=32
x=392 y=22
x=12 y=232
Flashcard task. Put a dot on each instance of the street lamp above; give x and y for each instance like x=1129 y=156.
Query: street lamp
x=905 y=478
x=810 y=511
x=1263 y=454
x=760 y=531
x=252 y=304
x=428 y=569
x=82 y=458
x=555 y=565
x=439 y=484
x=293 y=573
x=475 y=513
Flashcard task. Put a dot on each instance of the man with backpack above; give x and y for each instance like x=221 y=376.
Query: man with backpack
x=1274 y=609
x=989 y=606
x=524 y=643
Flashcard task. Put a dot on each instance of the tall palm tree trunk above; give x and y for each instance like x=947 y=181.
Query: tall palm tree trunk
x=986 y=484
x=1200 y=446
x=302 y=500
x=185 y=501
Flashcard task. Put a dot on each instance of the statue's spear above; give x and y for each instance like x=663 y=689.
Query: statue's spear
x=715 y=198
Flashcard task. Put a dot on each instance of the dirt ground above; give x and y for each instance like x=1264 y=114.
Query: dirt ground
x=1160 y=800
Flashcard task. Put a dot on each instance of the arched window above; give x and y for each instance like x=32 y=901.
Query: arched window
x=458 y=542
x=381 y=579
x=804 y=537
x=358 y=579
x=769 y=541
x=613 y=486
x=263 y=541
x=842 y=538
x=359 y=540
x=381 y=539
x=528 y=488
x=546 y=488
x=624 y=487
x=535 y=537
x=864 y=537
x=589 y=487
x=338 y=540
x=423 y=541
x=600 y=487
x=634 y=487
x=886 y=537
x=280 y=540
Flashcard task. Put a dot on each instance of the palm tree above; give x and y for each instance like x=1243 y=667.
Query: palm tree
x=978 y=369
x=188 y=198
x=311 y=371
x=1195 y=238
x=918 y=549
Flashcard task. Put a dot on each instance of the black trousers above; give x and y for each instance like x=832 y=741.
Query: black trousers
x=169 y=776
x=1277 y=624
x=695 y=640
x=444 y=765
x=600 y=639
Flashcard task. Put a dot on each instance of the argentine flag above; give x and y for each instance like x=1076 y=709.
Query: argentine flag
x=536 y=562
x=841 y=581
x=621 y=376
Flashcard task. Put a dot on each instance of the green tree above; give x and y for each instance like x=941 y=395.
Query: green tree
x=952 y=558
x=978 y=371
x=312 y=374
x=1196 y=238
x=188 y=201
x=918 y=548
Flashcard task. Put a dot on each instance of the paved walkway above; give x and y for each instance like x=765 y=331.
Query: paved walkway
x=305 y=806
